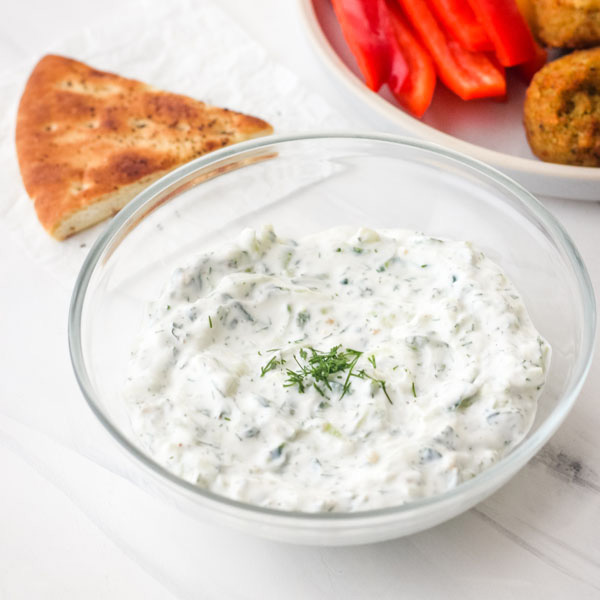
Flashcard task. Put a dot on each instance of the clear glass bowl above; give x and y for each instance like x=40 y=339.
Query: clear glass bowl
x=301 y=185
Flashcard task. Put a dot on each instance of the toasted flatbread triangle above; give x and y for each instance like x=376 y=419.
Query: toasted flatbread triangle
x=88 y=141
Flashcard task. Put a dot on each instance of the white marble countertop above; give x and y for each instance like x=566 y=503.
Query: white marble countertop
x=69 y=535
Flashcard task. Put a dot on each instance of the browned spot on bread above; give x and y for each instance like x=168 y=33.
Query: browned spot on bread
x=169 y=108
x=131 y=165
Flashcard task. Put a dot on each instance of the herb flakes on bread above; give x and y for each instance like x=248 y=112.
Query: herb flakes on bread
x=88 y=141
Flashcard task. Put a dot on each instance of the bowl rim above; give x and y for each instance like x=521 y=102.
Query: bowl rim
x=483 y=481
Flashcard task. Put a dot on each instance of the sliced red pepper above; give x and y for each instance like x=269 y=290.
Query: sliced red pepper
x=460 y=21
x=508 y=30
x=398 y=64
x=416 y=93
x=367 y=30
x=468 y=74
x=528 y=69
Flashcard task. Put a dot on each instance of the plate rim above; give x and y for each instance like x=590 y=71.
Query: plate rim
x=412 y=126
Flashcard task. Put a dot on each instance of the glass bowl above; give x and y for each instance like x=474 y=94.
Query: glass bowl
x=302 y=185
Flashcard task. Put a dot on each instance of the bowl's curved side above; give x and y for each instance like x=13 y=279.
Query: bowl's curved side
x=321 y=528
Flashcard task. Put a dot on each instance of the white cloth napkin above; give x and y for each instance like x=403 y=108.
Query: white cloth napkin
x=189 y=47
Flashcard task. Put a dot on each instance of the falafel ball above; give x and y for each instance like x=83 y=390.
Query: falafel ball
x=562 y=110
x=568 y=23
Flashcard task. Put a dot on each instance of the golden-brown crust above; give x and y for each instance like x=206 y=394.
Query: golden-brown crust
x=568 y=23
x=86 y=137
x=562 y=110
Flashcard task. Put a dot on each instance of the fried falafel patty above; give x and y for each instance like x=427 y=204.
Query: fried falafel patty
x=562 y=110
x=568 y=23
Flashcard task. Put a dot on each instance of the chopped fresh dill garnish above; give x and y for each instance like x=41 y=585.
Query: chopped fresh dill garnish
x=209 y=322
x=358 y=250
x=357 y=355
x=338 y=249
x=269 y=366
x=382 y=384
x=319 y=369
x=423 y=266
x=295 y=378
x=362 y=375
x=413 y=389
x=319 y=366
x=168 y=307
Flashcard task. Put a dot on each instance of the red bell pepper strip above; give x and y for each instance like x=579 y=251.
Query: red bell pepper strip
x=508 y=30
x=460 y=21
x=468 y=74
x=398 y=65
x=367 y=30
x=528 y=69
x=416 y=93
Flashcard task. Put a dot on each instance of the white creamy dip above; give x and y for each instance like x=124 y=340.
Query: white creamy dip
x=346 y=371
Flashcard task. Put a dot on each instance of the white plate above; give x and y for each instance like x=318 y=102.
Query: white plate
x=488 y=130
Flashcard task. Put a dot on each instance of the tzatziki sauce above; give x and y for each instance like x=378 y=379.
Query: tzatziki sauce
x=349 y=370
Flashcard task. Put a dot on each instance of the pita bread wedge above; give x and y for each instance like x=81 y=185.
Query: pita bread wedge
x=88 y=141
